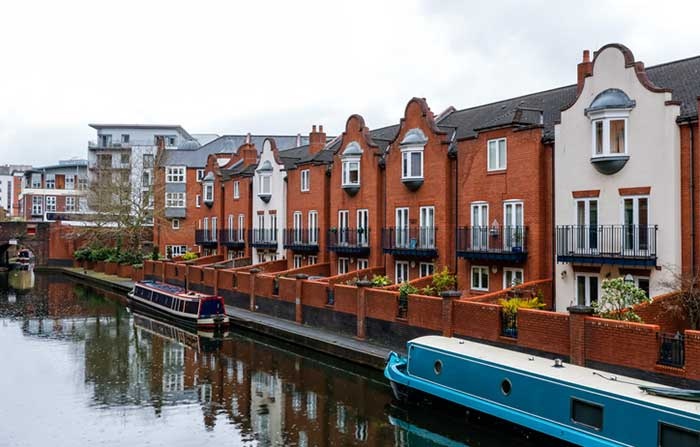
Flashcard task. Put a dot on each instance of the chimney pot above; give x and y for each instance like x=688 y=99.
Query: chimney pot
x=320 y=128
x=313 y=128
x=586 y=56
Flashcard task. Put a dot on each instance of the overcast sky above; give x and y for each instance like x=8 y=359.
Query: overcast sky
x=279 y=67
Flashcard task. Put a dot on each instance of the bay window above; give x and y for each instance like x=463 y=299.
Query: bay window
x=351 y=172
x=412 y=162
x=174 y=199
x=175 y=174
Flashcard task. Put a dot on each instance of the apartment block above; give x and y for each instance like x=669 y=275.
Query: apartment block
x=55 y=192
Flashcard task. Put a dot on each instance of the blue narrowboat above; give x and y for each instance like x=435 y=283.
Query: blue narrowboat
x=573 y=403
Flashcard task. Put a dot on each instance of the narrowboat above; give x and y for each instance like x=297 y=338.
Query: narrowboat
x=572 y=403
x=196 y=339
x=190 y=308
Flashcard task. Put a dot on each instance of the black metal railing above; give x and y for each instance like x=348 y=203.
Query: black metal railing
x=263 y=237
x=330 y=296
x=402 y=306
x=205 y=237
x=349 y=240
x=301 y=239
x=509 y=324
x=607 y=244
x=672 y=350
x=232 y=237
x=410 y=241
x=507 y=243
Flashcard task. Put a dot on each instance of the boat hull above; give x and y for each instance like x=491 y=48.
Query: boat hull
x=210 y=323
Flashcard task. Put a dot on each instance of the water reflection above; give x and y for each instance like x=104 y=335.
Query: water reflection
x=143 y=377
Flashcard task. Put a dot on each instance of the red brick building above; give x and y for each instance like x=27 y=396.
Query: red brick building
x=54 y=192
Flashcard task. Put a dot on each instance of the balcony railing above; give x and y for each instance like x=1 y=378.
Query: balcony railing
x=505 y=243
x=301 y=239
x=607 y=244
x=205 y=238
x=671 y=350
x=509 y=324
x=419 y=242
x=232 y=237
x=349 y=241
x=263 y=238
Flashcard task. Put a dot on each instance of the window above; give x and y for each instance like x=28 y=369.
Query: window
x=70 y=203
x=171 y=141
x=513 y=229
x=176 y=250
x=125 y=159
x=673 y=436
x=305 y=180
x=236 y=190
x=265 y=184
x=82 y=183
x=362 y=227
x=635 y=212
x=175 y=224
x=426 y=269
x=37 y=205
x=609 y=136
x=50 y=181
x=480 y=278
x=200 y=174
x=412 y=162
x=587 y=224
x=297 y=229
x=214 y=228
x=175 y=174
x=105 y=140
x=208 y=192
x=587 y=413
x=297 y=261
x=351 y=172
x=146 y=178
x=480 y=226
x=342 y=266
x=313 y=260
x=241 y=226
x=512 y=277
x=362 y=264
x=198 y=201
x=148 y=160
x=273 y=227
x=36 y=180
x=125 y=138
x=229 y=227
x=174 y=199
x=401 y=271
x=50 y=203
x=343 y=218
x=402 y=230
x=586 y=289
x=642 y=282
x=497 y=154
x=427 y=227
x=205 y=227
x=313 y=227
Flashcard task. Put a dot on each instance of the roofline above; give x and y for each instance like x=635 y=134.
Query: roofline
x=98 y=126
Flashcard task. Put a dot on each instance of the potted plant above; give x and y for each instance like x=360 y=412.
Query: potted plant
x=517 y=246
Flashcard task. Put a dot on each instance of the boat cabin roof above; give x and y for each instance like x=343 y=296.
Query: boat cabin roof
x=173 y=290
x=577 y=376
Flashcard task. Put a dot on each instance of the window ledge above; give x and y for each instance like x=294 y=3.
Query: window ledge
x=351 y=189
x=609 y=164
x=413 y=183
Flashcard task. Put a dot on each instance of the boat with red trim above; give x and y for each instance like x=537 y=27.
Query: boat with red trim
x=191 y=308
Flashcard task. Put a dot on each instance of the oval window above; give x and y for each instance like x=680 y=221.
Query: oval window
x=506 y=387
x=438 y=367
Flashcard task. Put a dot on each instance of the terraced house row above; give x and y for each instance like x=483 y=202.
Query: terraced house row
x=580 y=183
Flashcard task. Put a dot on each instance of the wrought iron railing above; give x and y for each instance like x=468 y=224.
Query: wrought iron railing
x=339 y=238
x=402 y=306
x=204 y=237
x=297 y=237
x=495 y=239
x=609 y=241
x=232 y=236
x=672 y=350
x=260 y=237
x=509 y=324
x=409 y=239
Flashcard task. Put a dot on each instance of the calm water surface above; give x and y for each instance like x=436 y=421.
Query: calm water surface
x=78 y=368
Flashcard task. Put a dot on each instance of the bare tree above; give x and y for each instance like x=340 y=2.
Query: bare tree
x=686 y=304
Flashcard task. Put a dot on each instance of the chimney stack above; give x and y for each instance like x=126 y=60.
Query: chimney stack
x=317 y=139
x=584 y=69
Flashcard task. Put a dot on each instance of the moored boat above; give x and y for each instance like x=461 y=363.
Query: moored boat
x=191 y=308
x=572 y=403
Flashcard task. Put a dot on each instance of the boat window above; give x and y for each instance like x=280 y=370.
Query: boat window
x=587 y=413
x=191 y=307
x=438 y=367
x=673 y=436
x=506 y=387
x=210 y=307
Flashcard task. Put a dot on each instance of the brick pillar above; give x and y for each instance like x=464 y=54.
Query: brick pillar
x=187 y=277
x=448 y=297
x=577 y=333
x=298 y=316
x=162 y=271
x=253 y=273
x=362 y=308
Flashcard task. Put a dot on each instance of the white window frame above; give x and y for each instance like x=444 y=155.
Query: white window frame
x=402 y=221
x=404 y=265
x=176 y=250
x=200 y=175
x=175 y=224
x=312 y=260
x=208 y=192
x=426 y=269
x=175 y=174
x=265 y=180
x=480 y=230
x=500 y=165
x=50 y=204
x=362 y=222
x=343 y=265
x=198 y=200
x=513 y=272
x=241 y=227
x=313 y=227
x=481 y=269
x=343 y=225
x=37 y=205
x=426 y=238
x=70 y=203
x=297 y=261
x=305 y=180
x=638 y=278
x=230 y=229
x=636 y=246
x=582 y=240
x=362 y=264
x=587 y=298
x=236 y=190
x=407 y=162
x=175 y=200
x=214 y=228
x=50 y=181
x=297 y=227
x=606 y=117
x=347 y=162
x=70 y=182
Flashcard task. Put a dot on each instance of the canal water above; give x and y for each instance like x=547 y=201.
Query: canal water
x=77 y=368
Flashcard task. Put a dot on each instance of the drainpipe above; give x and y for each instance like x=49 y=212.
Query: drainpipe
x=692 y=198
x=553 y=241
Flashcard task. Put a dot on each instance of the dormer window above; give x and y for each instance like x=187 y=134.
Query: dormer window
x=351 y=168
x=208 y=186
x=265 y=181
x=412 y=148
x=265 y=187
x=609 y=113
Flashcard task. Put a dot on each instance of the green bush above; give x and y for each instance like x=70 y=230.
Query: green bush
x=189 y=256
x=82 y=254
x=380 y=281
x=442 y=281
x=154 y=254
x=618 y=299
x=101 y=253
x=130 y=258
x=511 y=305
x=406 y=289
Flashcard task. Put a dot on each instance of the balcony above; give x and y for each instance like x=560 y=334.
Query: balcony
x=349 y=241
x=483 y=243
x=263 y=238
x=232 y=237
x=412 y=242
x=301 y=240
x=629 y=245
x=205 y=238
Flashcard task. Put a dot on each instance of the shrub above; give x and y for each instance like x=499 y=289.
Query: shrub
x=511 y=305
x=618 y=298
x=380 y=281
x=82 y=254
x=189 y=256
x=127 y=257
x=101 y=253
x=154 y=254
x=442 y=281
x=406 y=289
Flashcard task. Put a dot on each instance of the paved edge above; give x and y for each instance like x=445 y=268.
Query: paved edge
x=320 y=340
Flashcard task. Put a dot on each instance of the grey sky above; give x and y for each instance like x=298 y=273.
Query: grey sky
x=279 y=67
